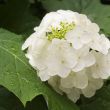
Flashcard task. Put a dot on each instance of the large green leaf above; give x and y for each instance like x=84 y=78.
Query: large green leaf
x=95 y=10
x=21 y=79
x=8 y=101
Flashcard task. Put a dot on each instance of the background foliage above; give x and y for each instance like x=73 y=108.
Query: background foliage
x=19 y=83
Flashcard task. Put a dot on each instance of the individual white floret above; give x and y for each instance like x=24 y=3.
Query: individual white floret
x=101 y=69
x=77 y=80
x=93 y=85
x=84 y=59
x=62 y=58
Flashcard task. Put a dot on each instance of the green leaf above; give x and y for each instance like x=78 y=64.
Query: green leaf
x=94 y=9
x=15 y=15
x=18 y=76
x=8 y=101
x=51 y=5
x=101 y=101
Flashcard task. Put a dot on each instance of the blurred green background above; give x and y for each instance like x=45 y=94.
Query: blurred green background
x=21 y=16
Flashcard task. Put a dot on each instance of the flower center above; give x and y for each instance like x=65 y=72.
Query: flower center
x=60 y=33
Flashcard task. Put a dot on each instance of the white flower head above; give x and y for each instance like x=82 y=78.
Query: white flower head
x=68 y=51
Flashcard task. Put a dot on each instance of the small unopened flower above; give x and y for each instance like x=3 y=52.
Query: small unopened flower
x=68 y=51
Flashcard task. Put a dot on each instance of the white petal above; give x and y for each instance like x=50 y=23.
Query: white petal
x=73 y=37
x=36 y=63
x=29 y=41
x=88 y=92
x=105 y=43
x=80 y=66
x=74 y=95
x=68 y=81
x=94 y=84
x=104 y=74
x=64 y=72
x=95 y=44
x=55 y=82
x=95 y=72
x=89 y=59
x=86 y=37
x=69 y=57
x=94 y=27
x=77 y=44
x=102 y=67
x=80 y=80
x=43 y=75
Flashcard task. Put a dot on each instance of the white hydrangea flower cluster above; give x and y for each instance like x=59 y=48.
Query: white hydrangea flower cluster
x=68 y=51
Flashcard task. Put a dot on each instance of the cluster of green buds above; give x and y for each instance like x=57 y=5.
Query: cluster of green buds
x=60 y=33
